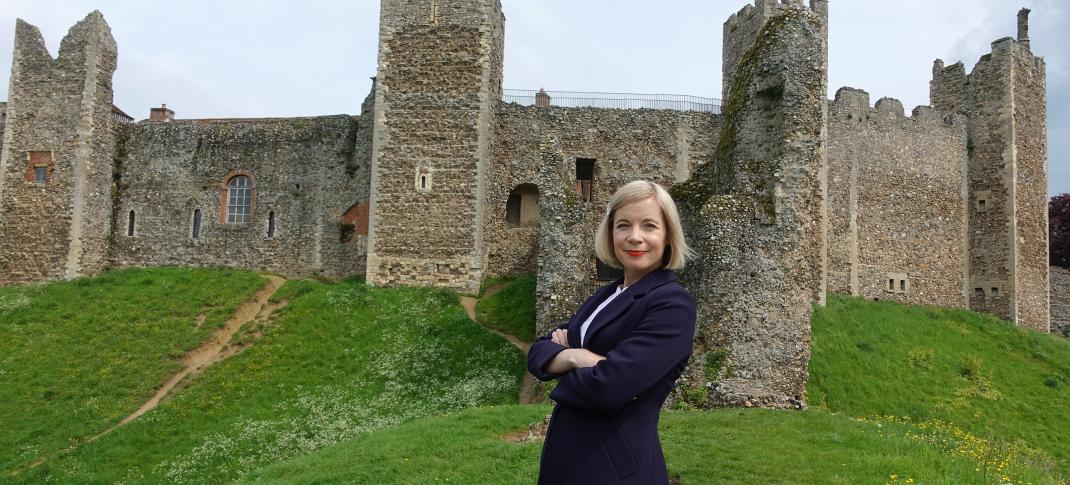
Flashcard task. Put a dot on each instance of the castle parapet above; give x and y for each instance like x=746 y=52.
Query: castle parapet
x=742 y=28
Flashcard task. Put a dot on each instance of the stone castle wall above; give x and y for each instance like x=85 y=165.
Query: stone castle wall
x=1007 y=180
x=896 y=202
x=1059 y=280
x=625 y=145
x=438 y=83
x=1031 y=191
x=756 y=217
x=58 y=118
x=742 y=28
x=304 y=171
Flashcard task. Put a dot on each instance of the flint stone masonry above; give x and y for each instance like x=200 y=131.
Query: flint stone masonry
x=304 y=170
x=1059 y=279
x=415 y=191
x=63 y=106
x=659 y=145
x=440 y=67
x=1004 y=99
x=755 y=215
x=896 y=201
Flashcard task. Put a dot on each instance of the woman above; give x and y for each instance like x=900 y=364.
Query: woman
x=620 y=354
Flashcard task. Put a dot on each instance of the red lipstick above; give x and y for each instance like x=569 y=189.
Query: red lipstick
x=635 y=254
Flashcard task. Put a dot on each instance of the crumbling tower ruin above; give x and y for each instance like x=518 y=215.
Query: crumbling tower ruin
x=56 y=161
x=438 y=84
x=756 y=212
x=1004 y=98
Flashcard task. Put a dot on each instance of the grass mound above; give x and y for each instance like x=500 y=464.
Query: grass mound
x=993 y=380
x=721 y=446
x=338 y=360
x=512 y=308
x=78 y=356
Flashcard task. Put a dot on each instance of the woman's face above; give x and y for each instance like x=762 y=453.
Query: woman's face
x=639 y=238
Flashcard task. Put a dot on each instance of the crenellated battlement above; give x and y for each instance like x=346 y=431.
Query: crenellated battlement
x=852 y=105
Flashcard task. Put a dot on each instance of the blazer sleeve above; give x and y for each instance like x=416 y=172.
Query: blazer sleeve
x=542 y=352
x=660 y=341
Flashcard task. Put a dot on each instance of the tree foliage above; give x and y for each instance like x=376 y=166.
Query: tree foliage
x=1059 y=230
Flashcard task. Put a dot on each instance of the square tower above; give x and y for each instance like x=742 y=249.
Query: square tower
x=437 y=88
x=56 y=160
x=1004 y=99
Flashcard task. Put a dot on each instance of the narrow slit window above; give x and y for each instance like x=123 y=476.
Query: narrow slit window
x=902 y=285
x=981 y=206
x=891 y=284
x=585 y=177
x=423 y=181
x=130 y=224
x=197 y=224
x=271 y=224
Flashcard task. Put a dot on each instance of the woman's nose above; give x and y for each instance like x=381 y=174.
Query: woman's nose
x=634 y=235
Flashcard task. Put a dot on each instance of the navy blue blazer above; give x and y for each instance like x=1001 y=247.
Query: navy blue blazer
x=604 y=427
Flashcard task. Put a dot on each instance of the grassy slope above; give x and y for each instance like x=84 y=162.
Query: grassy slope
x=982 y=374
x=862 y=365
x=722 y=446
x=339 y=360
x=78 y=356
x=512 y=309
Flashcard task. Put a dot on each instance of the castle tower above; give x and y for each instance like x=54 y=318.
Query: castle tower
x=755 y=214
x=439 y=81
x=1004 y=98
x=56 y=160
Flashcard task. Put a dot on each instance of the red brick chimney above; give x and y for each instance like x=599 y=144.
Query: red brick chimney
x=541 y=98
x=163 y=113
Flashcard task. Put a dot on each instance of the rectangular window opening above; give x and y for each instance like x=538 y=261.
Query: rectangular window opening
x=584 y=177
x=902 y=285
x=978 y=292
x=891 y=284
x=40 y=174
x=995 y=291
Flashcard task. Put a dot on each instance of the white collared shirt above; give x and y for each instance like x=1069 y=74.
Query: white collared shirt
x=587 y=323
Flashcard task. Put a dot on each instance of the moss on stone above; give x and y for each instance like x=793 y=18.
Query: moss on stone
x=718 y=176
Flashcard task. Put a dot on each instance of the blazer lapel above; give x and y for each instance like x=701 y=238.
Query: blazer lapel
x=623 y=302
x=586 y=310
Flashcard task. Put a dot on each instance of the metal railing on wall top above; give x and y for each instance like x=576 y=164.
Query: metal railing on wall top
x=576 y=99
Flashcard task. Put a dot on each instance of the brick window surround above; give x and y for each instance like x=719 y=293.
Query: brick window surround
x=357 y=215
x=37 y=159
x=224 y=199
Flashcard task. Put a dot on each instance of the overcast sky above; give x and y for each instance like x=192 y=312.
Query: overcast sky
x=314 y=57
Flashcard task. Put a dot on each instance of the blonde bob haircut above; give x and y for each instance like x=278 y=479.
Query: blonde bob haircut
x=676 y=250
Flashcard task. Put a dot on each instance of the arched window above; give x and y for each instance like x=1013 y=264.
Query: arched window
x=197 y=224
x=271 y=225
x=130 y=224
x=239 y=200
x=522 y=207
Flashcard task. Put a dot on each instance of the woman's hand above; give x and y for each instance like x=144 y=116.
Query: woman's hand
x=570 y=359
x=560 y=337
